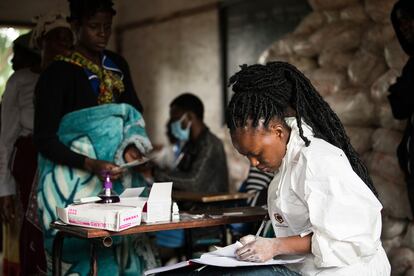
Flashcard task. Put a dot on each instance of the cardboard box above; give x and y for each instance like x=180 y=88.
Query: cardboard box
x=114 y=217
x=125 y=214
x=158 y=205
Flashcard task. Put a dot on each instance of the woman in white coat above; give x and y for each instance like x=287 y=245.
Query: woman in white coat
x=322 y=202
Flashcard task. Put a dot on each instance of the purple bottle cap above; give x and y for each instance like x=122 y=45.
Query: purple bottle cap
x=107 y=183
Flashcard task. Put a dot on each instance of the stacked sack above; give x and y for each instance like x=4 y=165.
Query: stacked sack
x=349 y=51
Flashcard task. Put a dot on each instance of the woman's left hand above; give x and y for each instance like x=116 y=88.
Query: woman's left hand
x=257 y=250
x=131 y=153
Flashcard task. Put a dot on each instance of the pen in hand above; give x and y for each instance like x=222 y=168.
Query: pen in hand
x=250 y=238
x=262 y=225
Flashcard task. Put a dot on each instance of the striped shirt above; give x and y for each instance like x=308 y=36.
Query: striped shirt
x=257 y=183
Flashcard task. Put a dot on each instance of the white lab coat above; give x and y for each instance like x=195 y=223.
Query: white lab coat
x=316 y=191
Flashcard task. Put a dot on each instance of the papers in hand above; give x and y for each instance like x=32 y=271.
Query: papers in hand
x=225 y=257
x=134 y=163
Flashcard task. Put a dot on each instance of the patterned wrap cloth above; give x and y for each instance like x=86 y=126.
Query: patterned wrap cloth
x=102 y=132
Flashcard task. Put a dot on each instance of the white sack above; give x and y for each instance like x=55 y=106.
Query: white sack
x=389 y=192
x=379 y=89
x=340 y=35
x=365 y=68
x=360 y=138
x=385 y=166
x=355 y=13
x=331 y=58
x=353 y=110
x=395 y=56
x=392 y=227
x=385 y=118
x=379 y=10
x=386 y=140
x=327 y=81
x=318 y=5
x=401 y=259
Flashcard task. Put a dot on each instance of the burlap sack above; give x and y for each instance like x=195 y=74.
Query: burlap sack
x=327 y=81
x=386 y=140
x=332 y=58
x=385 y=118
x=365 y=68
x=401 y=259
x=395 y=57
x=392 y=227
x=340 y=35
x=355 y=13
x=390 y=244
x=304 y=64
x=379 y=89
x=379 y=10
x=304 y=48
x=284 y=46
x=387 y=167
x=353 y=110
x=408 y=238
x=376 y=36
x=318 y=5
x=389 y=192
x=310 y=23
x=360 y=138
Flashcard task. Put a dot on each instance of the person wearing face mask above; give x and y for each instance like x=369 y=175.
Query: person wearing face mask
x=201 y=163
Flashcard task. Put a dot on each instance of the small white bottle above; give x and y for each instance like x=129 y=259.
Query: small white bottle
x=175 y=212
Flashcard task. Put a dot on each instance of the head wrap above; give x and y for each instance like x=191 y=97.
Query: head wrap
x=23 y=42
x=45 y=23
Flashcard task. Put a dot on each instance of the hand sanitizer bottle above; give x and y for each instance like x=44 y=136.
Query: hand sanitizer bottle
x=108 y=195
x=175 y=215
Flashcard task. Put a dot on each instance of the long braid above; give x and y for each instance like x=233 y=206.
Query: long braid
x=267 y=91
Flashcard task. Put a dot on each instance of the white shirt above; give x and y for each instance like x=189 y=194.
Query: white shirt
x=316 y=191
x=17 y=115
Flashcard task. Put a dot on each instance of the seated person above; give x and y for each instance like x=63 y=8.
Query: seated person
x=201 y=164
x=199 y=167
x=165 y=156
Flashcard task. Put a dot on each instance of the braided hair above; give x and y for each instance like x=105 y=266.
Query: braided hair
x=266 y=92
x=86 y=8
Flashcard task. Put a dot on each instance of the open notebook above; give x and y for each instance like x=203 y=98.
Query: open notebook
x=225 y=257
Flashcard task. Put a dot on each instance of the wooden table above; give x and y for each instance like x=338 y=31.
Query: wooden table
x=210 y=218
x=209 y=198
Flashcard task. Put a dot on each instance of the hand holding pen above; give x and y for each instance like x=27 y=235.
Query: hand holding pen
x=255 y=248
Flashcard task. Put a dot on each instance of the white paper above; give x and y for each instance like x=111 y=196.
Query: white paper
x=214 y=260
x=159 y=203
x=160 y=191
x=134 y=163
x=225 y=257
x=227 y=251
x=87 y=200
x=167 y=268
x=132 y=192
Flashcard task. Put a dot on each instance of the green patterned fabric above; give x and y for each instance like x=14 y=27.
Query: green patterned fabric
x=101 y=132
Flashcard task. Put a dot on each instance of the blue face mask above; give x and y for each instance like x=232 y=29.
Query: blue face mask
x=182 y=134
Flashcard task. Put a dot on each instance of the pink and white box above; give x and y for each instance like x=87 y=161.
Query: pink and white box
x=114 y=217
